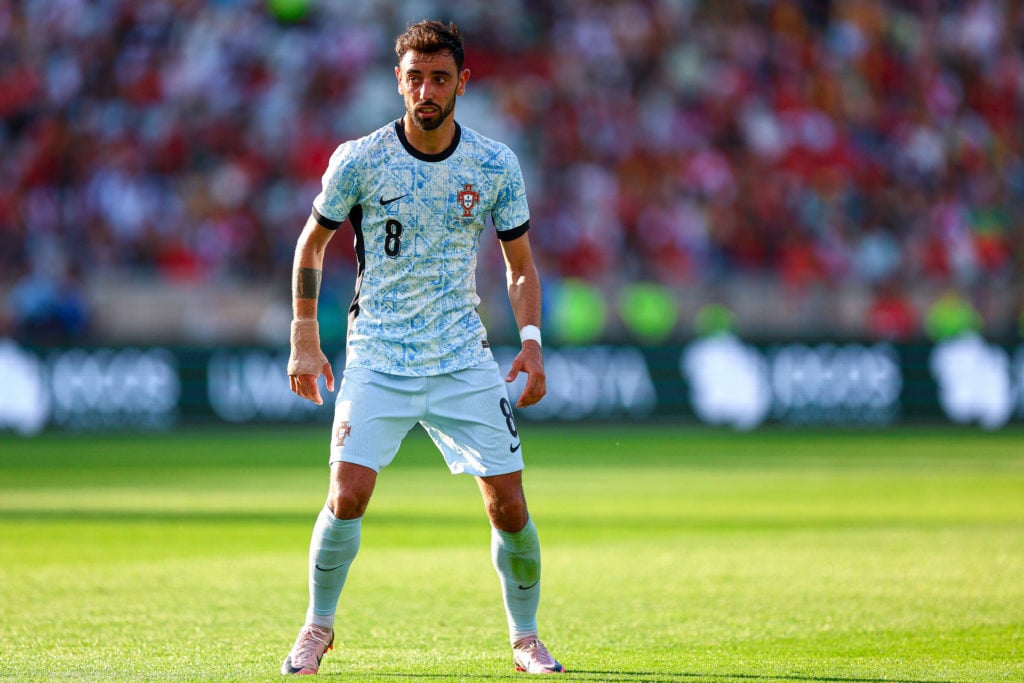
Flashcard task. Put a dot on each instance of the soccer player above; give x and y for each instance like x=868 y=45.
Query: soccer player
x=417 y=192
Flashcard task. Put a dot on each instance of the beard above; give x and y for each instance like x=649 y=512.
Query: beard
x=431 y=124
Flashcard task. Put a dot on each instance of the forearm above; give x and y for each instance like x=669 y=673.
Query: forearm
x=307 y=361
x=307 y=273
x=525 y=296
x=305 y=290
x=524 y=293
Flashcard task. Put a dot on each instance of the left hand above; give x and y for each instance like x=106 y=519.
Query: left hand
x=531 y=361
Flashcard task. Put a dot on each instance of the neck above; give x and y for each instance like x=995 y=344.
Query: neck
x=430 y=141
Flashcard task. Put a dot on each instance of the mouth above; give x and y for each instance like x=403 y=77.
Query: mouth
x=428 y=110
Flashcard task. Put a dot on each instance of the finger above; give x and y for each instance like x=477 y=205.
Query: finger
x=329 y=376
x=540 y=388
x=532 y=393
x=306 y=387
x=518 y=366
x=526 y=400
x=513 y=372
x=314 y=390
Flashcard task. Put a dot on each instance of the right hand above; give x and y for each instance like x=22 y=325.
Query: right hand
x=306 y=385
x=307 y=361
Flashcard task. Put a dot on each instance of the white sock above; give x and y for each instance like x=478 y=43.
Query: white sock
x=332 y=549
x=516 y=557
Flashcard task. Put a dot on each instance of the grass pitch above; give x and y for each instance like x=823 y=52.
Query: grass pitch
x=669 y=555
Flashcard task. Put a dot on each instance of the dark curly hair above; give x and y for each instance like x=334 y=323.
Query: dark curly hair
x=431 y=36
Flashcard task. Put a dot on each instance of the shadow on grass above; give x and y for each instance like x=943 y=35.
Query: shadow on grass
x=659 y=677
x=674 y=677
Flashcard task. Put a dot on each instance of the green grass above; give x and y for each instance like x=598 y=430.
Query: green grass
x=669 y=555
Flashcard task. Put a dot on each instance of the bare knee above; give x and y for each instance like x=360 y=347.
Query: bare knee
x=351 y=488
x=508 y=515
x=345 y=505
x=505 y=501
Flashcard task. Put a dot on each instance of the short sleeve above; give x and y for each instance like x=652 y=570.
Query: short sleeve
x=511 y=211
x=340 y=191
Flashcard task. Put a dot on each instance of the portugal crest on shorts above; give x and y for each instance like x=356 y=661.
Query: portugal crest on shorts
x=468 y=199
x=344 y=429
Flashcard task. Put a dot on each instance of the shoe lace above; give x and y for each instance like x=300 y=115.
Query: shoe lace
x=533 y=649
x=310 y=647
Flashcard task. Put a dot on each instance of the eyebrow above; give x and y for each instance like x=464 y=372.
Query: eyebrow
x=433 y=72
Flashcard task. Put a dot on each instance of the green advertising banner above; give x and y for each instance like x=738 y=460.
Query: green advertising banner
x=716 y=380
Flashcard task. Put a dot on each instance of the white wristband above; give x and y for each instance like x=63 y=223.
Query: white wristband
x=530 y=332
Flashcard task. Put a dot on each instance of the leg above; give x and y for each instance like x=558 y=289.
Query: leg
x=472 y=424
x=515 y=551
x=335 y=539
x=505 y=501
x=369 y=424
x=372 y=414
x=332 y=549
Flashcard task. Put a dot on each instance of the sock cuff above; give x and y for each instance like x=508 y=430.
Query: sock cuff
x=342 y=526
x=517 y=541
x=334 y=520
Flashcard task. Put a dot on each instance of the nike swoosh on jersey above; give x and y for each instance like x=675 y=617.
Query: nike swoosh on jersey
x=515 y=447
x=385 y=202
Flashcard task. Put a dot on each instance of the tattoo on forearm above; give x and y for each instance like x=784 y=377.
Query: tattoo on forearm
x=307 y=283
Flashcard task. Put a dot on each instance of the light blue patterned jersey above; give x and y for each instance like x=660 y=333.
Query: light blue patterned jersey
x=417 y=220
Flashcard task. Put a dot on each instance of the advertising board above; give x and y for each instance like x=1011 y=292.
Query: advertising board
x=719 y=380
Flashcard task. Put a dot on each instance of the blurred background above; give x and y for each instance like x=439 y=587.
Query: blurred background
x=784 y=170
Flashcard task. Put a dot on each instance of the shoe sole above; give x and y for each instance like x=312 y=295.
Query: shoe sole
x=559 y=670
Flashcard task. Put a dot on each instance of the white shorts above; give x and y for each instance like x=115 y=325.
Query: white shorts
x=467 y=414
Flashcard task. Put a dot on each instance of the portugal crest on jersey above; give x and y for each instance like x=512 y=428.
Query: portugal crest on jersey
x=344 y=429
x=468 y=199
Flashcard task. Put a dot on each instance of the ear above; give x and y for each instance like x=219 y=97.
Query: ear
x=398 y=77
x=463 y=77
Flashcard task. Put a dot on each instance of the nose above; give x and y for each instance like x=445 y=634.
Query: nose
x=425 y=90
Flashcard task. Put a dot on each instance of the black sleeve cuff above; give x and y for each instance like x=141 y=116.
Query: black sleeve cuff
x=514 y=233
x=325 y=221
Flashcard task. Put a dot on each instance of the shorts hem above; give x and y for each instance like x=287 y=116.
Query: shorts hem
x=496 y=468
x=355 y=461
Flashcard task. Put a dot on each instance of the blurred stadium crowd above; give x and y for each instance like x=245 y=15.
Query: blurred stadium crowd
x=810 y=146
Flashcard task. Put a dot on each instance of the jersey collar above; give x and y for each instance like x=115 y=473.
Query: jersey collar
x=440 y=156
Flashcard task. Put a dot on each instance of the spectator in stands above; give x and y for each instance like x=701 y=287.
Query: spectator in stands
x=891 y=315
x=785 y=141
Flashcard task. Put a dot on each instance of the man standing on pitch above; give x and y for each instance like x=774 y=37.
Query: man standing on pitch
x=417 y=192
